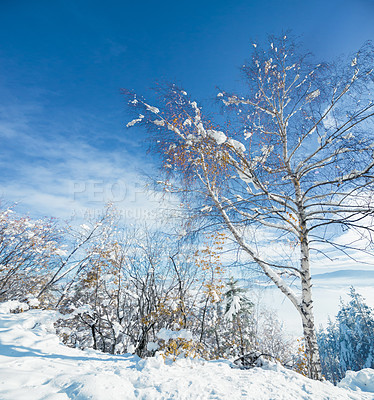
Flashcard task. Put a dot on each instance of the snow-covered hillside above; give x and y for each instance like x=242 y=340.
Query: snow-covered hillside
x=35 y=365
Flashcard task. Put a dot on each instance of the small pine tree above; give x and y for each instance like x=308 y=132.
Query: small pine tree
x=238 y=317
x=236 y=300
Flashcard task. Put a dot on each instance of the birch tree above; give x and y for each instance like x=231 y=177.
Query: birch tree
x=293 y=164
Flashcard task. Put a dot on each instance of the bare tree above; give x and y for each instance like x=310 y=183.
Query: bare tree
x=72 y=261
x=130 y=289
x=294 y=164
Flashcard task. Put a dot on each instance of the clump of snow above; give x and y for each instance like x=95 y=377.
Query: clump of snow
x=33 y=302
x=173 y=128
x=167 y=334
x=152 y=346
x=85 y=227
x=239 y=147
x=234 y=308
x=159 y=122
x=131 y=349
x=247 y=134
x=12 y=306
x=34 y=365
x=187 y=122
x=61 y=252
x=313 y=95
x=360 y=381
x=206 y=209
x=135 y=121
x=218 y=136
x=153 y=109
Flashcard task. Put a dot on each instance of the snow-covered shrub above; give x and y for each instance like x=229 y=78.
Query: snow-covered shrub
x=174 y=344
x=134 y=288
x=270 y=336
x=28 y=251
x=299 y=361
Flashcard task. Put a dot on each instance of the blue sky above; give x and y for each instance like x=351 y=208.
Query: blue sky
x=64 y=147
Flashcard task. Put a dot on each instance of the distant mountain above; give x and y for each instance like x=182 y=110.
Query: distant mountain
x=340 y=277
x=346 y=274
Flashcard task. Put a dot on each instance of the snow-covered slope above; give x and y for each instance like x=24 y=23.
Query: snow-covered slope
x=35 y=365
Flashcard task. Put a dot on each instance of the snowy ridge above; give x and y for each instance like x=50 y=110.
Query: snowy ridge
x=34 y=365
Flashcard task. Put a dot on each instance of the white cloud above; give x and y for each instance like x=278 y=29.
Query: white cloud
x=50 y=173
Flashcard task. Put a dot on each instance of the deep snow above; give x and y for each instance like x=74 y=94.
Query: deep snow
x=35 y=365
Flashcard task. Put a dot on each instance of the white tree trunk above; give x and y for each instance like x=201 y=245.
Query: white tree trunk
x=311 y=346
x=306 y=311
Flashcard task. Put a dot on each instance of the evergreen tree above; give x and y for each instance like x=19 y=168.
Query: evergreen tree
x=238 y=317
x=348 y=343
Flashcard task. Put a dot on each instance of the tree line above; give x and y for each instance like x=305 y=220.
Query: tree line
x=136 y=290
x=139 y=290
